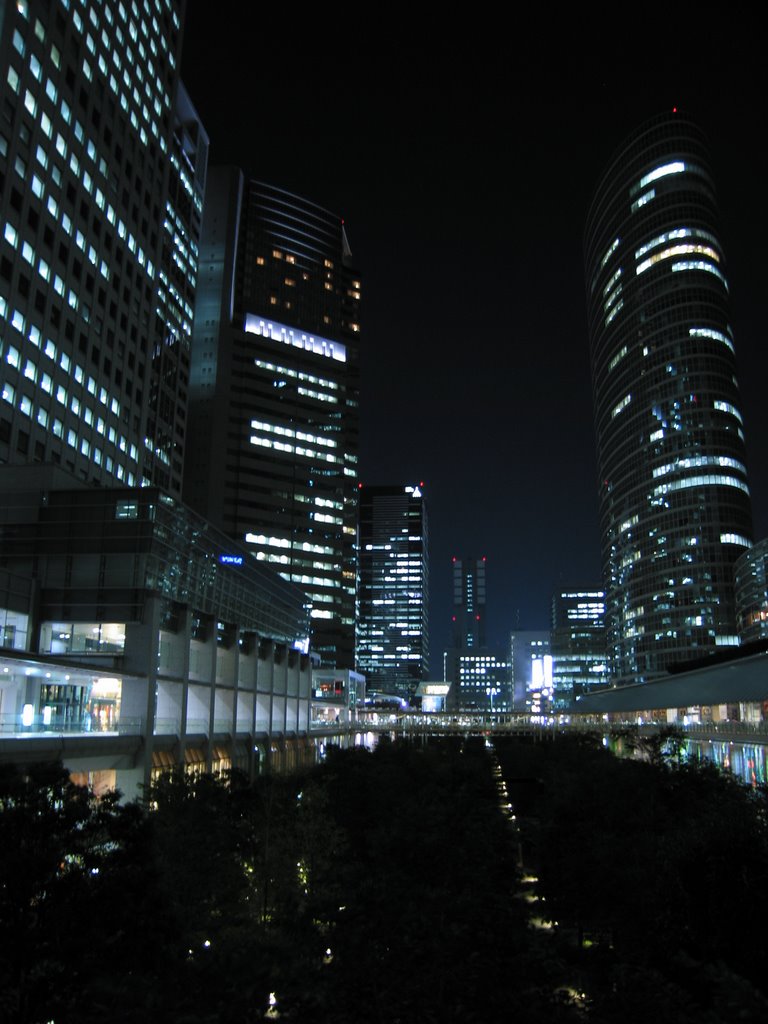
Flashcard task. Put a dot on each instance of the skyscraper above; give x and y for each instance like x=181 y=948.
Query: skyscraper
x=480 y=677
x=272 y=458
x=674 y=502
x=469 y=602
x=102 y=160
x=393 y=621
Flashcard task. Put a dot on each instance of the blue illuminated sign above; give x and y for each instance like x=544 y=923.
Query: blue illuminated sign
x=231 y=559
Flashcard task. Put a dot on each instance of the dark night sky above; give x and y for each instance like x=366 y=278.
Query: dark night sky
x=463 y=164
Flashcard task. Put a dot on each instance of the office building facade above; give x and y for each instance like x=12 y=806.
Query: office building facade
x=393 y=589
x=530 y=662
x=577 y=645
x=273 y=430
x=480 y=678
x=102 y=160
x=136 y=636
x=675 y=510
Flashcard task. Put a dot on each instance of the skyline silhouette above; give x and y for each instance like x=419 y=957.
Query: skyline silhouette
x=464 y=172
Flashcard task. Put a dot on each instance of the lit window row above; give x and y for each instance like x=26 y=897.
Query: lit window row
x=611 y=250
x=319 y=396
x=646 y=197
x=723 y=461
x=179 y=300
x=290 y=372
x=158 y=452
x=617 y=358
x=612 y=297
x=709 y=332
x=273 y=428
x=293 y=450
x=621 y=405
x=297 y=339
x=729 y=408
x=619 y=305
x=735 y=538
x=710 y=480
x=678 y=250
x=187 y=245
x=316 y=581
x=677 y=167
x=614 y=278
x=700 y=265
x=186 y=182
x=633 y=613
x=670 y=236
x=284 y=542
x=323 y=517
x=320 y=502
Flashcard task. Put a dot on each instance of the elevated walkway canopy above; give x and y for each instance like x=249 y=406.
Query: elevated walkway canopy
x=741 y=679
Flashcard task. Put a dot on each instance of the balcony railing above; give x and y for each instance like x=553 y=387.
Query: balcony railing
x=20 y=726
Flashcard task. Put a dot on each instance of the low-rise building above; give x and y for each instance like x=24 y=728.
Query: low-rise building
x=751 y=579
x=136 y=636
x=336 y=696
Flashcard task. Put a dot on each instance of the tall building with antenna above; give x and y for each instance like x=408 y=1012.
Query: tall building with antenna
x=675 y=510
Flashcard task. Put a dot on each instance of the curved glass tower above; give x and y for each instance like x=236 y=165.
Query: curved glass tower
x=674 y=503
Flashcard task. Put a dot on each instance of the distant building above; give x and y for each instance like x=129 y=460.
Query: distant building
x=433 y=696
x=675 y=508
x=480 y=679
x=393 y=623
x=480 y=676
x=577 y=645
x=751 y=573
x=337 y=695
x=531 y=665
x=469 y=602
x=273 y=425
